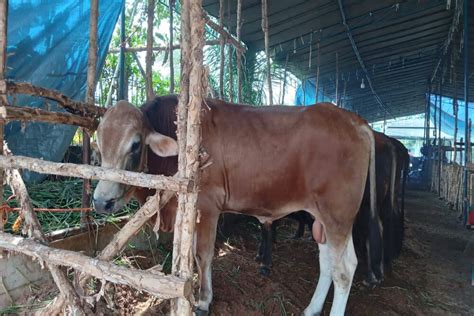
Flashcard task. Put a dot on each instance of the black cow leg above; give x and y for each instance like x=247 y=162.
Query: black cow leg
x=261 y=247
x=266 y=263
x=201 y=312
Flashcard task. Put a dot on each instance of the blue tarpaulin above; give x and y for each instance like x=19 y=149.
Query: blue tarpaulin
x=48 y=44
x=306 y=93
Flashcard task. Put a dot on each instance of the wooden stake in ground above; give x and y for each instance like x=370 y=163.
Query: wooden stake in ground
x=150 y=95
x=267 y=49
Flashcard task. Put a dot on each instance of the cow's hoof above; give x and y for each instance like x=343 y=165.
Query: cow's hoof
x=371 y=282
x=264 y=271
x=201 y=312
x=258 y=258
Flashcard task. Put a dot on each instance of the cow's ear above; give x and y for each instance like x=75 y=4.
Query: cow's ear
x=162 y=145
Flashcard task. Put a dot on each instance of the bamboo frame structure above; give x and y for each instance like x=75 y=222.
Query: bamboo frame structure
x=222 y=55
x=239 y=53
x=170 y=53
x=193 y=87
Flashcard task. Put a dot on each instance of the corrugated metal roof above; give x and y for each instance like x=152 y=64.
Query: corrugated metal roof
x=399 y=42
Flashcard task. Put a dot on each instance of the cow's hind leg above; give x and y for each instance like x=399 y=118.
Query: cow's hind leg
x=337 y=263
x=205 y=242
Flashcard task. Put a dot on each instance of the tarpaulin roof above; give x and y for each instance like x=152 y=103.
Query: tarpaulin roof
x=48 y=46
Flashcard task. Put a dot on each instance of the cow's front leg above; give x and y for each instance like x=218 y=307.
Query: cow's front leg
x=205 y=241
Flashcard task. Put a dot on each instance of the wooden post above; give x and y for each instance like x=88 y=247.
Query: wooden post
x=150 y=95
x=90 y=98
x=239 y=53
x=267 y=49
x=317 y=72
x=222 y=57
x=170 y=54
x=3 y=90
x=455 y=112
x=183 y=259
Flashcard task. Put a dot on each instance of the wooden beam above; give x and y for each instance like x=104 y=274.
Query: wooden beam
x=159 y=285
x=267 y=49
x=150 y=94
x=22 y=113
x=230 y=39
x=98 y=173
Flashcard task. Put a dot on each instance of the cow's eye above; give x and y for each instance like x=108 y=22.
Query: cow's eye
x=135 y=146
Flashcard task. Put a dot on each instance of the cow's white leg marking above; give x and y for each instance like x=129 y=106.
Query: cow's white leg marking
x=324 y=282
x=342 y=275
x=205 y=240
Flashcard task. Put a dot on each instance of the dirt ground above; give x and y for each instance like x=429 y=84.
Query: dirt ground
x=431 y=277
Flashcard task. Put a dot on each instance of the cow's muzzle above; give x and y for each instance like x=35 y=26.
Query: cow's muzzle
x=104 y=206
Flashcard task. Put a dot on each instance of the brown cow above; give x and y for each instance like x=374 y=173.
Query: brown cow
x=267 y=162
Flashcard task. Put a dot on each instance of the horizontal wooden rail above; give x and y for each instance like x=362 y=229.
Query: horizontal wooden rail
x=74 y=107
x=156 y=48
x=160 y=285
x=97 y=173
x=22 y=113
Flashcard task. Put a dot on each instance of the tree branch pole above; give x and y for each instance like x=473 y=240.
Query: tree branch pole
x=222 y=55
x=74 y=107
x=337 y=78
x=150 y=95
x=229 y=38
x=171 y=7
x=267 y=49
x=32 y=227
x=97 y=173
x=158 y=48
x=164 y=286
x=196 y=90
x=90 y=99
x=22 y=113
x=182 y=117
x=239 y=53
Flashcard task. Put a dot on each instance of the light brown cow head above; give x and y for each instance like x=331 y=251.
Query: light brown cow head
x=123 y=138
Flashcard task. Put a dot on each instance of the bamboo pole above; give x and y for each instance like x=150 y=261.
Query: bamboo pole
x=164 y=286
x=22 y=113
x=239 y=53
x=337 y=78
x=97 y=173
x=150 y=95
x=32 y=227
x=171 y=8
x=222 y=55
x=74 y=107
x=267 y=49
x=455 y=112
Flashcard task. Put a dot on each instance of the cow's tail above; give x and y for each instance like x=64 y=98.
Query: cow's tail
x=401 y=233
x=375 y=238
x=391 y=215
